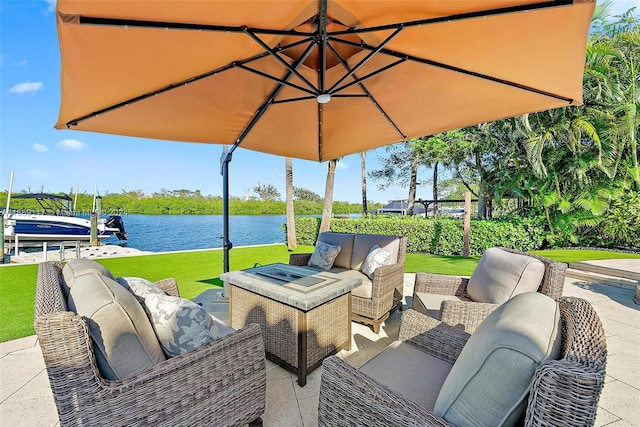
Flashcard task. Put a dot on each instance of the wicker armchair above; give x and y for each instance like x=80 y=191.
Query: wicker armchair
x=564 y=392
x=462 y=311
x=220 y=383
x=387 y=287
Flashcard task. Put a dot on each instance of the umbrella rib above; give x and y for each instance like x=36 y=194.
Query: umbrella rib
x=263 y=108
x=461 y=16
x=371 y=74
x=142 y=97
x=309 y=98
x=279 y=58
x=365 y=59
x=139 y=23
x=323 y=38
x=366 y=91
x=459 y=70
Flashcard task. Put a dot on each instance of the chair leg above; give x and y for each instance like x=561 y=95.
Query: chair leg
x=256 y=423
x=376 y=327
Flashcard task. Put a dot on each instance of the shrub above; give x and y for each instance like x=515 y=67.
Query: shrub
x=439 y=236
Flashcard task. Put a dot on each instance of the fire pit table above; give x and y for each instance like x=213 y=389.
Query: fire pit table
x=305 y=314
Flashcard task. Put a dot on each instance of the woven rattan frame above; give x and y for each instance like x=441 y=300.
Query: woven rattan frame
x=220 y=383
x=386 y=292
x=467 y=315
x=564 y=392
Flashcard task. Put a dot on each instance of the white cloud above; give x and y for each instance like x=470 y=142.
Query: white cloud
x=26 y=87
x=39 y=148
x=341 y=165
x=51 y=5
x=71 y=145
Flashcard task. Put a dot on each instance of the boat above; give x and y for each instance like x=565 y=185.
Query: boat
x=56 y=222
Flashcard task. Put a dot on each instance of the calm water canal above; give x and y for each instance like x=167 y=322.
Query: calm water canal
x=161 y=233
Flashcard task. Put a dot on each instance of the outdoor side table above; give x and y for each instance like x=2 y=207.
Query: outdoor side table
x=305 y=315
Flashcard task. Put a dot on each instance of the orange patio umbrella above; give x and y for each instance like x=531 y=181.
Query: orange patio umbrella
x=313 y=79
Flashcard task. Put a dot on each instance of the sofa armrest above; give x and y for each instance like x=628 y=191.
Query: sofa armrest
x=386 y=279
x=348 y=398
x=169 y=286
x=433 y=336
x=299 y=259
x=465 y=315
x=191 y=389
x=441 y=284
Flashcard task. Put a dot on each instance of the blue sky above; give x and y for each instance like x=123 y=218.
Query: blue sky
x=43 y=158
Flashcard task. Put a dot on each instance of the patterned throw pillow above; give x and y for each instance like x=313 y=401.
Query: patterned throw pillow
x=181 y=325
x=323 y=256
x=377 y=258
x=140 y=287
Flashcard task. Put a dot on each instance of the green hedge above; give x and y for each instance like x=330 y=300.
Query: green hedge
x=435 y=236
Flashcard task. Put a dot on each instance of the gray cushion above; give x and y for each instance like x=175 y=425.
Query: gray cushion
x=362 y=244
x=490 y=381
x=500 y=275
x=123 y=340
x=345 y=241
x=430 y=304
x=413 y=373
x=77 y=267
x=323 y=256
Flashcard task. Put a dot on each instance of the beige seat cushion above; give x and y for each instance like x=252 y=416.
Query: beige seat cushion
x=362 y=291
x=501 y=275
x=405 y=368
x=490 y=381
x=345 y=241
x=430 y=304
x=123 y=340
x=362 y=244
x=77 y=267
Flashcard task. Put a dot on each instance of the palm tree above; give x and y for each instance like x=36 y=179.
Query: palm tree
x=291 y=222
x=328 y=196
x=363 y=171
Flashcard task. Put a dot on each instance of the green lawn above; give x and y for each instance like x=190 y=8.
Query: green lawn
x=197 y=271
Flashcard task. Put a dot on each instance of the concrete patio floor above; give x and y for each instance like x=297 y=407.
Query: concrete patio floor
x=26 y=400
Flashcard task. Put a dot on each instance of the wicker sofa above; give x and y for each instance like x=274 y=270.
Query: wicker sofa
x=404 y=383
x=222 y=382
x=501 y=273
x=378 y=296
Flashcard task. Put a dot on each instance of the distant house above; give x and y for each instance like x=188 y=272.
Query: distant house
x=399 y=207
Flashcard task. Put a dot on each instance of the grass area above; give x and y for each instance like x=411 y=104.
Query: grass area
x=197 y=271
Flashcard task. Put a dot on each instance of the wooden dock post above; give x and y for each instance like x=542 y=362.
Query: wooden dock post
x=94 y=229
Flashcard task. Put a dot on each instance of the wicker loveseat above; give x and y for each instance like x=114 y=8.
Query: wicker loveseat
x=501 y=273
x=402 y=386
x=222 y=382
x=380 y=294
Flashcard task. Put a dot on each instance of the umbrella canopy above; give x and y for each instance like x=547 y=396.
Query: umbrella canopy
x=314 y=79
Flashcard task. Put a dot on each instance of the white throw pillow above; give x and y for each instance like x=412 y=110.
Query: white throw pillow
x=323 y=256
x=377 y=258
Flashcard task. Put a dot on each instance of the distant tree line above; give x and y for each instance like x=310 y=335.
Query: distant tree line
x=186 y=202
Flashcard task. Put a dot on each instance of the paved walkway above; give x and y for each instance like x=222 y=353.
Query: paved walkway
x=25 y=397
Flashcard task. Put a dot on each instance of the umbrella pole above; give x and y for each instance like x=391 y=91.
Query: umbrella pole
x=226 y=244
